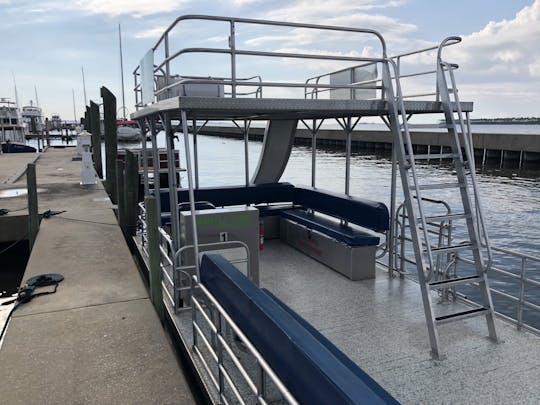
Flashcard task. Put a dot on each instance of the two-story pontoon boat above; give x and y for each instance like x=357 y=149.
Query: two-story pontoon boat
x=323 y=313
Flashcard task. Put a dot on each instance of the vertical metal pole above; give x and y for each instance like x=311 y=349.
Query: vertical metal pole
x=348 y=157
x=521 y=293
x=144 y=131
x=173 y=187
x=120 y=200
x=167 y=64
x=313 y=151
x=191 y=192
x=152 y=231
x=246 y=151
x=33 y=214
x=195 y=152
x=155 y=159
x=232 y=45
x=391 y=231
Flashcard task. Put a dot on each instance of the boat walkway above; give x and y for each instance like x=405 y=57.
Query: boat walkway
x=98 y=338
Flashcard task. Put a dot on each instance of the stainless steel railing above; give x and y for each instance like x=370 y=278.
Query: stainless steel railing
x=431 y=53
x=222 y=364
x=164 y=66
x=520 y=281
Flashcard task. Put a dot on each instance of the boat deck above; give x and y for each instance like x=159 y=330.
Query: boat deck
x=214 y=108
x=380 y=325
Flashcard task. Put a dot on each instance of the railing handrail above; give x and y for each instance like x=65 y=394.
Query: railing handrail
x=269 y=22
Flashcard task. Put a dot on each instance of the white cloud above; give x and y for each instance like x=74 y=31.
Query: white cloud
x=132 y=7
x=151 y=33
x=534 y=68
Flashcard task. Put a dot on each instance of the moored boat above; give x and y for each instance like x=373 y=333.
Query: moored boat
x=12 y=129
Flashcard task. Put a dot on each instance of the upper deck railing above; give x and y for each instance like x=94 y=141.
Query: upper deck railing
x=166 y=74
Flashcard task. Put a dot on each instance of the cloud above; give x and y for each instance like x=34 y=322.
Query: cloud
x=137 y=8
x=151 y=33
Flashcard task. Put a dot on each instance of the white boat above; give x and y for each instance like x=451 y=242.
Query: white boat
x=12 y=128
x=128 y=131
x=33 y=118
x=324 y=311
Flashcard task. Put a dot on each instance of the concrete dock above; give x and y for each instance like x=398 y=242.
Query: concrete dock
x=97 y=339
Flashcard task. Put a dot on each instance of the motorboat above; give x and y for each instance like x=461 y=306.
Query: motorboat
x=12 y=129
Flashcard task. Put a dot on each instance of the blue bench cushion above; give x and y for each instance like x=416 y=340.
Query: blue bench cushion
x=368 y=214
x=351 y=365
x=313 y=374
x=233 y=195
x=328 y=226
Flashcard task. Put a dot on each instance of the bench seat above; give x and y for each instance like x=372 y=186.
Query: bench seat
x=342 y=233
x=313 y=373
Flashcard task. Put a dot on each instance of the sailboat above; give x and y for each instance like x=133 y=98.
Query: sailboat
x=127 y=130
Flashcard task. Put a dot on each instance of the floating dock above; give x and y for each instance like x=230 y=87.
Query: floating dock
x=97 y=339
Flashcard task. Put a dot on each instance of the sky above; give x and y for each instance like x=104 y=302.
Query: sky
x=46 y=43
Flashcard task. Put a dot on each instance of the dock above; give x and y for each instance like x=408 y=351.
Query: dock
x=97 y=339
x=520 y=149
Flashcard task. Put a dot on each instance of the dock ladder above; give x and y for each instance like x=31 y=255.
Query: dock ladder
x=427 y=251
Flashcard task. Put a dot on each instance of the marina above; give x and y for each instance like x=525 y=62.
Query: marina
x=245 y=237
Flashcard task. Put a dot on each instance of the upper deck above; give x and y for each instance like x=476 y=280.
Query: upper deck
x=326 y=78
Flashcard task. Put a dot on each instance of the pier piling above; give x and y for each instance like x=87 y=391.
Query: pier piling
x=111 y=141
x=152 y=232
x=96 y=141
x=131 y=192
x=33 y=214
x=120 y=198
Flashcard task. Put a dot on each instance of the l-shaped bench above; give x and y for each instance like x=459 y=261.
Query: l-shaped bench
x=335 y=229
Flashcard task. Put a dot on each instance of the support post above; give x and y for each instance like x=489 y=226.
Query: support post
x=96 y=141
x=111 y=141
x=120 y=196
x=152 y=231
x=131 y=192
x=33 y=214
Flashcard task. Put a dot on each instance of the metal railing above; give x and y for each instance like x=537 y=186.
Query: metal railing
x=451 y=267
x=222 y=357
x=163 y=67
x=313 y=92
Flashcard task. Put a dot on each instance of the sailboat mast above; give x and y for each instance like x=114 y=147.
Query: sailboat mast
x=16 y=92
x=84 y=86
x=122 y=73
x=37 y=99
x=74 y=111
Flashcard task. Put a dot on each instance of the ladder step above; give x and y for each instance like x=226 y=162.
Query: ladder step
x=449 y=217
x=448 y=249
x=454 y=281
x=461 y=315
x=437 y=186
x=432 y=156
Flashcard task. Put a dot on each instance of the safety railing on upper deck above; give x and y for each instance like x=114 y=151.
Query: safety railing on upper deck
x=364 y=76
x=155 y=80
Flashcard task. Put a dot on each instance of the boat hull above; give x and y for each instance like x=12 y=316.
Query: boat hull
x=17 y=147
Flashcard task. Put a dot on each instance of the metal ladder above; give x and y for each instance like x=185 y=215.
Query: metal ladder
x=425 y=251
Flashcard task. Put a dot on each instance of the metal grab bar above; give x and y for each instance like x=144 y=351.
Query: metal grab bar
x=220 y=342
